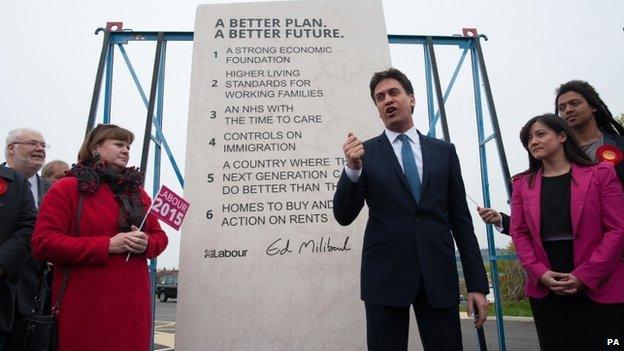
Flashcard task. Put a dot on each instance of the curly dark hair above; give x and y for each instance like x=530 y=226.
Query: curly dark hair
x=604 y=118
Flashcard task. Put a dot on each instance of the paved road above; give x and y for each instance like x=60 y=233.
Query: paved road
x=164 y=329
x=520 y=335
x=166 y=311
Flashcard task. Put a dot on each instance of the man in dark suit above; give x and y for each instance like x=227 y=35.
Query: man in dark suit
x=17 y=220
x=593 y=124
x=25 y=153
x=414 y=190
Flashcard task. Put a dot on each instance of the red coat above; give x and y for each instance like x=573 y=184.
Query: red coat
x=107 y=302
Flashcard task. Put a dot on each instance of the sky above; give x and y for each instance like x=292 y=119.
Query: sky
x=50 y=53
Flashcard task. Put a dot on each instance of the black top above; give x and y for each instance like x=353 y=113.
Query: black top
x=556 y=223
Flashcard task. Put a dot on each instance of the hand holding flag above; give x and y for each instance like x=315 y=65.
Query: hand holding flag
x=167 y=206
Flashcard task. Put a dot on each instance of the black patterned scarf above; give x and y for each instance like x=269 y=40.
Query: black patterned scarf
x=126 y=185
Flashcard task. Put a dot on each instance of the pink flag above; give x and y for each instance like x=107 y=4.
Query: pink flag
x=169 y=207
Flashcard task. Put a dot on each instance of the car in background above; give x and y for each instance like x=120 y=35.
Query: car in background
x=166 y=288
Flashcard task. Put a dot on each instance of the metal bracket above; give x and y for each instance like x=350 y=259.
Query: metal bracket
x=114 y=26
x=470 y=32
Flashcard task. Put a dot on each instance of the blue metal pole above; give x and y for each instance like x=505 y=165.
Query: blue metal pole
x=135 y=78
x=159 y=118
x=485 y=187
x=429 y=85
x=108 y=86
x=157 y=161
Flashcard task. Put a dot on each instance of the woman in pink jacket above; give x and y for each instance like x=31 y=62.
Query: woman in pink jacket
x=568 y=229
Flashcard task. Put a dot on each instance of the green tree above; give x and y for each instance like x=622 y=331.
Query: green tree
x=620 y=119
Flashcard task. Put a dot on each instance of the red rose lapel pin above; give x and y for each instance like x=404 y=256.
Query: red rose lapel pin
x=3 y=186
x=609 y=153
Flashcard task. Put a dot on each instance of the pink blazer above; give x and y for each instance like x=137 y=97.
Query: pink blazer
x=597 y=213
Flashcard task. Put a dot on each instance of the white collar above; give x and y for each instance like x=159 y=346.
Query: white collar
x=412 y=133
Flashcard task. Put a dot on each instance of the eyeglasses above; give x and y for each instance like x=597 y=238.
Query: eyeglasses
x=32 y=143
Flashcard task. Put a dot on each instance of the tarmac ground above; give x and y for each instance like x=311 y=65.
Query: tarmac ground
x=520 y=332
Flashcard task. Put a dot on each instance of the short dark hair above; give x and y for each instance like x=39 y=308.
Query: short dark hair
x=100 y=134
x=604 y=118
x=394 y=74
x=571 y=147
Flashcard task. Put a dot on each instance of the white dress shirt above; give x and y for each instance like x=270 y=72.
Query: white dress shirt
x=412 y=133
x=34 y=188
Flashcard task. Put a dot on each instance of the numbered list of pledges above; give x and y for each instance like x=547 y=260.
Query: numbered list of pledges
x=275 y=89
x=272 y=117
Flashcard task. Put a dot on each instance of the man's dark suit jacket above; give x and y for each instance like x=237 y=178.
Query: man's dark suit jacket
x=409 y=246
x=28 y=283
x=17 y=220
x=27 y=288
x=609 y=139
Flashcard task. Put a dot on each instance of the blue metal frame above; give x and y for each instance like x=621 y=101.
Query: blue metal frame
x=121 y=38
x=108 y=86
x=468 y=44
x=429 y=84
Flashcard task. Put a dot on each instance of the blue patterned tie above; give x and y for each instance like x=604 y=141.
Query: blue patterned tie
x=409 y=166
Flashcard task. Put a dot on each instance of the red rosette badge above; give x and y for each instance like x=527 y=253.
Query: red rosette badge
x=609 y=153
x=3 y=186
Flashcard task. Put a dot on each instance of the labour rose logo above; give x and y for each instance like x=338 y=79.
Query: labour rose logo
x=3 y=186
x=609 y=153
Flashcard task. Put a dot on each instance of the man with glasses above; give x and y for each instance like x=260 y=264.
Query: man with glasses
x=25 y=153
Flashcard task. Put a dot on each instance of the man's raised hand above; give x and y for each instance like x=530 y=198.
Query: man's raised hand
x=353 y=151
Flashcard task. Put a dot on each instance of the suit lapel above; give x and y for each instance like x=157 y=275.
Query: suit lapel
x=388 y=152
x=614 y=140
x=581 y=177
x=39 y=190
x=534 y=201
x=6 y=173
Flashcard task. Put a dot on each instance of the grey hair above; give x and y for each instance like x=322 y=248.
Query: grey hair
x=14 y=135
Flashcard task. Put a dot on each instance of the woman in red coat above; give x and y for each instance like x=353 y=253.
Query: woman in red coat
x=106 y=303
